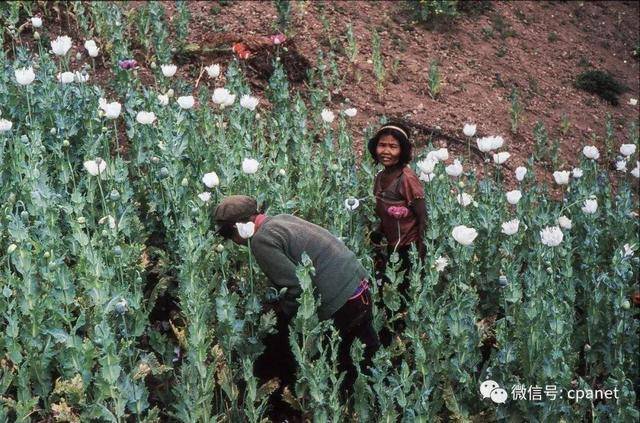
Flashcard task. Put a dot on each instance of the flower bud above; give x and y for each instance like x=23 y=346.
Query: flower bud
x=11 y=248
x=219 y=248
x=626 y=304
x=121 y=306
x=114 y=195
x=65 y=143
x=36 y=35
x=12 y=198
x=587 y=347
x=155 y=160
x=78 y=56
x=461 y=184
x=164 y=172
x=184 y=182
x=47 y=254
x=81 y=220
x=153 y=65
x=117 y=251
x=24 y=215
x=282 y=172
x=105 y=233
x=53 y=131
x=170 y=92
x=502 y=281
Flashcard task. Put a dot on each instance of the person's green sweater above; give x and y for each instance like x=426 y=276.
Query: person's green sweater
x=278 y=245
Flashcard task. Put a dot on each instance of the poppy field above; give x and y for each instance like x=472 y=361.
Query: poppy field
x=119 y=303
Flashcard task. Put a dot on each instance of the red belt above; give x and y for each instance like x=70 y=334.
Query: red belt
x=364 y=285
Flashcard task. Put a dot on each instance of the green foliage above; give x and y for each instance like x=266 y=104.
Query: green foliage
x=428 y=10
x=434 y=80
x=515 y=111
x=283 y=7
x=379 y=69
x=181 y=22
x=600 y=83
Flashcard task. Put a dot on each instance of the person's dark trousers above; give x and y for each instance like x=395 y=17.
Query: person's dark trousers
x=354 y=320
x=277 y=360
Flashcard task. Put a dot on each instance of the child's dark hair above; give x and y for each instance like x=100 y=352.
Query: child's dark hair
x=398 y=131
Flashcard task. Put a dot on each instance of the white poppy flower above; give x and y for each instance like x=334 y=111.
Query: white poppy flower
x=327 y=115
x=633 y=101
x=213 y=70
x=636 y=170
x=36 y=22
x=431 y=155
x=441 y=263
x=454 y=169
x=514 y=196
x=250 y=166
x=577 y=173
x=561 y=177
x=351 y=112
x=591 y=152
x=65 y=77
x=222 y=97
x=145 y=118
x=426 y=177
x=205 y=196
x=501 y=157
x=95 y=167
x=627 y=149
x=564 y=222
x=92 y=48
x=426 y=165
x=61 y=45
x=169 y=70
x=186 y=102
x=628 y=250
x=163 y=99
x=5 y=125
x=25 y=76
x=590 y=206
x=111 y=110
x=442 y=154
x=249 y=102
x=464 y=235
x=510 y=227
x=211 y=180
x=551 y=236
x=351 y=203
x=464 y=199
x=469 y=129
x=485 y=144
x=246 y=230
x=520 y=172
x=496 y=142
x=621 y=165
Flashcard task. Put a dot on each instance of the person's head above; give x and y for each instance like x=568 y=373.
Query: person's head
x=390 y=146
x=232 y=210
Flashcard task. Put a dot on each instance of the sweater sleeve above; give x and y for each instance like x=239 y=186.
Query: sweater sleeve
x=279 y=267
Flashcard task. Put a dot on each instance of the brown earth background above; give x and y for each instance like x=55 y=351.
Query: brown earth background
x=537 y=48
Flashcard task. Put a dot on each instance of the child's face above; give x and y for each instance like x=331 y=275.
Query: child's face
x=388 y=150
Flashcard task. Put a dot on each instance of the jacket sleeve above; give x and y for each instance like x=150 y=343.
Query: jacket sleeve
x=270 y=254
